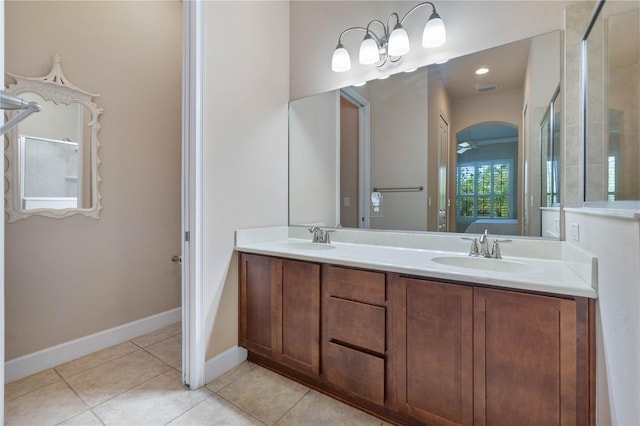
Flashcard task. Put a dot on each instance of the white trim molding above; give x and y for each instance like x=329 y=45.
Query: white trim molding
x=193 y=342
x=223 y=362
x=47 y=358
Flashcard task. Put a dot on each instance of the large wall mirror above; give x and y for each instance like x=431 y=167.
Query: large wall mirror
x=437 y=149
x=52 y=158
x=611 y=77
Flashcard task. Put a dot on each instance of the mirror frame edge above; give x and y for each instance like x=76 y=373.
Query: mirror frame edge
x=54 y=87
x=584 y=78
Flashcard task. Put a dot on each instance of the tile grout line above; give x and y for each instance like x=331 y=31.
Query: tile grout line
x=163 y=361
x=95 y=366
x=91 y=408
x=231 y=382
x=248 y=413
x=6 y=398
x=88 y=407
x=292 y=407
x=127 y=390
x=185 y=412
x=242 y=409
x=79 y=397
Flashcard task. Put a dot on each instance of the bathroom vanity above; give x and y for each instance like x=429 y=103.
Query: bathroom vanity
x=394 y=325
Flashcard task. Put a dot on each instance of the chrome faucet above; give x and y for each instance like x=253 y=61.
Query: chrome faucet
x=483 y=249
x=484 y=244
x=320 y=235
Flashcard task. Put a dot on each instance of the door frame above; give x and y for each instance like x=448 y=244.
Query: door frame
x=2 y=301
x=444 y=149
x=364 y=158
x=193 y=345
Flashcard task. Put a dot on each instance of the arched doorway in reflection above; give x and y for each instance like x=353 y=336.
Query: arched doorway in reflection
x=487 y=179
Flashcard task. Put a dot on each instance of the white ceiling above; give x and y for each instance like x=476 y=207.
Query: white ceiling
x=507 y=65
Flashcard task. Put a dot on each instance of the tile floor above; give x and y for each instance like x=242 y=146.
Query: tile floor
x=138 y=383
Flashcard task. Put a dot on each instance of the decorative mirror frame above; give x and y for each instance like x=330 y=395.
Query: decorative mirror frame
x=57 y=88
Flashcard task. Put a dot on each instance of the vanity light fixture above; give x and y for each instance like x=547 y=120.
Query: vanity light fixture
x=390 y=45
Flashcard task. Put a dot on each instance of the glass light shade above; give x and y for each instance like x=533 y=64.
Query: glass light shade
x=369 y=53
x=398 y=41
x=434 y=34
x=340 y=60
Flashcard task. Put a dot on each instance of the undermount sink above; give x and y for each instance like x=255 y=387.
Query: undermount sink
x=483 y=263
x=308 y=246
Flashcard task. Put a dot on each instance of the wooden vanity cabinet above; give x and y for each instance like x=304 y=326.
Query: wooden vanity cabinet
x=259 y=285
x=279 y=311
x=431 y=351
x=354 y=344
x=419 y=351
x=468 y=355
x=529 y=360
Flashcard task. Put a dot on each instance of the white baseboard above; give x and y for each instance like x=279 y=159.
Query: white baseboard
x=47 y=358
x=224 y=362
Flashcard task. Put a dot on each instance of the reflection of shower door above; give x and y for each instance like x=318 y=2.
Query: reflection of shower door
x=443 y=165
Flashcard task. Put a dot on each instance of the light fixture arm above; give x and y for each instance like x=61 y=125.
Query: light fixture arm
x=388 y=27
x=379 y=40
x=368 y=31
x=352 y=29
x=433 y=6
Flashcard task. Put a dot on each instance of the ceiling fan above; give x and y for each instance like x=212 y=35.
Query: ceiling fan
x=465 y=146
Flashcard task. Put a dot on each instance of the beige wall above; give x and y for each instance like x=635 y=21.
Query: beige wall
x=313 y=125
x=246 y=90
x=68 y=278
x=398 y=149
x=623 y=76
x=504 y=107
x=541 y=80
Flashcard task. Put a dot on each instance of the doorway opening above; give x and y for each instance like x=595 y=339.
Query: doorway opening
x=486 y=179
x=353 y=154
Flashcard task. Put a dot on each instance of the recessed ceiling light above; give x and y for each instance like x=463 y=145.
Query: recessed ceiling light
x=411 y=70
x=360 y=84
x=482 y=70
x=384 y=77
x=442 y=62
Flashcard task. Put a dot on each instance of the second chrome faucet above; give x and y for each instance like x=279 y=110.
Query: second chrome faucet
x=320 y=235
x=480 y=246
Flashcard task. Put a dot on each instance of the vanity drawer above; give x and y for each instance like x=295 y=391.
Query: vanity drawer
x=356 y=372
x=356 y=324
x=353 y=284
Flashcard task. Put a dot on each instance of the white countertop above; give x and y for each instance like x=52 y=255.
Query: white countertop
x=572 y=273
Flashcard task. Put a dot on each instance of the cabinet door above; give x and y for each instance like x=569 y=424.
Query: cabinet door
x=524 y=359
x=260 y=304
x=301 y=316
x=431 y=351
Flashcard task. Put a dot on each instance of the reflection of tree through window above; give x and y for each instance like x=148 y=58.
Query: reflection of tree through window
x=484 y=190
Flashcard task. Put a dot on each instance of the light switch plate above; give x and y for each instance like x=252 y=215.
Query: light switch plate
x=575 y=231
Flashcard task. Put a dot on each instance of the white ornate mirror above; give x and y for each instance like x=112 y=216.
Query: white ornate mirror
x=52 y=158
